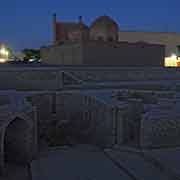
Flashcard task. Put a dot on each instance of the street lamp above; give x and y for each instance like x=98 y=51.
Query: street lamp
x=4 y=54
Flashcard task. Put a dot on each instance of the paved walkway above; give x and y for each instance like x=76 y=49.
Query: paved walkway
x=141 y=167
x=76 y=164
x=16 y=172
x=90 y=163
x=169 y=157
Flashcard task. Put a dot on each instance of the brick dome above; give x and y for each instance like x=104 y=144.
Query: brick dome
x=104 y=28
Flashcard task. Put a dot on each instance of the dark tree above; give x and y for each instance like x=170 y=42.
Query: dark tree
x=31 y=54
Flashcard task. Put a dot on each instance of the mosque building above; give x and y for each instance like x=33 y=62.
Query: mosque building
x=103 y=43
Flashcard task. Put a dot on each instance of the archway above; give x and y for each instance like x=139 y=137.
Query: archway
x=17 y=142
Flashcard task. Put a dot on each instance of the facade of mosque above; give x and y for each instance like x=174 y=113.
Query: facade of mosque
x=77 y=44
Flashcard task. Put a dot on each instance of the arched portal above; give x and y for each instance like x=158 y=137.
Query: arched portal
x=17 y=142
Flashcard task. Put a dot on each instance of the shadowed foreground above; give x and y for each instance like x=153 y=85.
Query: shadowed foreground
x=16 y=172
x=90 y=163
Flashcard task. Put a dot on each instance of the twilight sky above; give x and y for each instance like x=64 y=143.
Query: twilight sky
x=28 y=23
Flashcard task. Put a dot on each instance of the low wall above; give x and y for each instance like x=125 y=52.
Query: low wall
x=29 y=79
x=53 y=78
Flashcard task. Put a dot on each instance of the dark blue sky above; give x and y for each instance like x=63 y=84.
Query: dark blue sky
x=27 y=23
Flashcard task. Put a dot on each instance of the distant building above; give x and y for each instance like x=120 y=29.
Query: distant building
x=77 y=44
x=69 y=31
x=171 y=40
x=104 y=53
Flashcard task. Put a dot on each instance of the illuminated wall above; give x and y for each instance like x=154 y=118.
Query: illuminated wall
x=172 y=61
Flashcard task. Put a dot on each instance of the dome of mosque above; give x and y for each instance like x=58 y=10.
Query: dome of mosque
x=104 y=28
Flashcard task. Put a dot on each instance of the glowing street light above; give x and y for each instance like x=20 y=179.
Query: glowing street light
x=173 y=56
x=3 y=51
x=2 y=60
x=4 y=54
